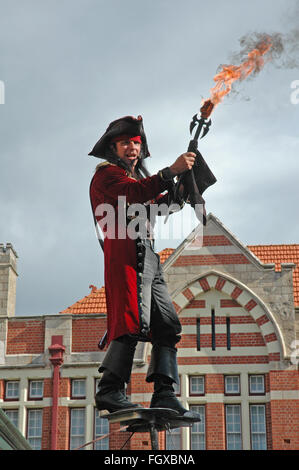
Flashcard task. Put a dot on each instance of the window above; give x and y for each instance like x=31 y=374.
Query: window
x=198 y=435
x=12 y=390
x=256 y=385
x=177 y=387
x=258 y=427
x=233 y=427
x=97 y=381
x=174 y=439
x=232 y=385
x=197 y=385
x=34 y=429
x=78 y=388
x=77 y=428
x=198 y=334
x=101 y=427
x=13 y=415
x=36 y=389
x=213 y=332
x=228 y=343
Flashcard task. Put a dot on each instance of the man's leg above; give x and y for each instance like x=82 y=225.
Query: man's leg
x=116 y=368
x=163 y=369
x=117 y=364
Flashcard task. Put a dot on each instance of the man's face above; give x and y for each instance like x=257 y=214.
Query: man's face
x=129 y=151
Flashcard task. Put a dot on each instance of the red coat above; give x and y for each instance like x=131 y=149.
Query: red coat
x=109 y=182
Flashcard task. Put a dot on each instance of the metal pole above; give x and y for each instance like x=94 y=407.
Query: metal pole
x=154 y=437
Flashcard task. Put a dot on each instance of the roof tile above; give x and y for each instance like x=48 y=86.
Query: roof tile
x=280 y=254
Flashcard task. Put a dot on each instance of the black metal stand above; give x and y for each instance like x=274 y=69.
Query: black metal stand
x=154 y=437
x=150 y=420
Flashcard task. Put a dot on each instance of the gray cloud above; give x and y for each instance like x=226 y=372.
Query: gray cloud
x=71 y=67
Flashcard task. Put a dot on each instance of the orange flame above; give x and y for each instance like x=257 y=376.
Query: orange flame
x=231 y=73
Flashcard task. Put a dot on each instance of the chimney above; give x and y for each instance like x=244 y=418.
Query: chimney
x=8 y=280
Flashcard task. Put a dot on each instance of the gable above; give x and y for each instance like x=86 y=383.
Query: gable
x=210 y=246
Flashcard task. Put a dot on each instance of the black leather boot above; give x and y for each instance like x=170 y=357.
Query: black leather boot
x=111 y=394
x=116 y=368
x=163 y=371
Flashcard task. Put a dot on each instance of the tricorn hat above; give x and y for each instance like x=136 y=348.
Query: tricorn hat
x=127 y=125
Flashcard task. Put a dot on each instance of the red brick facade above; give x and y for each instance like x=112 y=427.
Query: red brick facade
x=25 y=337
x=282 y=415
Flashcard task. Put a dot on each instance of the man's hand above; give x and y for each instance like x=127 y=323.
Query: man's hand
x=183 y=163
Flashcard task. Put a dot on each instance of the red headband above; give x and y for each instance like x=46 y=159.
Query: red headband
x=118 y=138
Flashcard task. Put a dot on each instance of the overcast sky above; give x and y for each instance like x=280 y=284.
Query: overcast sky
x=69 y=67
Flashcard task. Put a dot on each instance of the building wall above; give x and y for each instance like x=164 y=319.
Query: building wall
x=216 y=250
x=221 y=292
x=249 y=354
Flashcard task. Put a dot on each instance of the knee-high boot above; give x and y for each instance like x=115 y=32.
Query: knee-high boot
x=116 y=368
x=163 y=371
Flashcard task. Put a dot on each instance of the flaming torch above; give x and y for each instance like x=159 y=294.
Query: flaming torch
x=195 y=181
x=224 y=79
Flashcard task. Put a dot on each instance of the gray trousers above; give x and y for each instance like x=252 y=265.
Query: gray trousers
x=157 y=308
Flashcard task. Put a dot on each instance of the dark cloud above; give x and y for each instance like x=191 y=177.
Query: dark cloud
x=70 y=68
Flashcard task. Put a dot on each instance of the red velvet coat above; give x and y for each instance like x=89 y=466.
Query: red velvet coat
x=109 y=182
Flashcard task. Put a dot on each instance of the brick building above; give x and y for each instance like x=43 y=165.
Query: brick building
x=237 y=358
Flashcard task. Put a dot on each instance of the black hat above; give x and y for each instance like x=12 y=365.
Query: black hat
x=127 y=125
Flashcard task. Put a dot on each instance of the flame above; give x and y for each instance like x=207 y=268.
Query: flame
x=231 y=73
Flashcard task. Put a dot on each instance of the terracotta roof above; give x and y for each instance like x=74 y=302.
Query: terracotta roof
x=280 y=254
x=95 y=302
x=164 y=254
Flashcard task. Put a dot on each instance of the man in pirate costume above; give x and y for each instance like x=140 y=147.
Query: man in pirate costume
x=139 y=307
